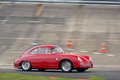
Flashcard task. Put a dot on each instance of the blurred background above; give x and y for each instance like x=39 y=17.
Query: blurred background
x=86 y=28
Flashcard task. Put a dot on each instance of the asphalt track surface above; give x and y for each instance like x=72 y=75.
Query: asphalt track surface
x=108 y=75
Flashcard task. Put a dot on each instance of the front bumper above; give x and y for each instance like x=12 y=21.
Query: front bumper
x=86 y=65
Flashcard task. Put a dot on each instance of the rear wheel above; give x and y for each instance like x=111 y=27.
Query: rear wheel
x=66 y=66
x=26 y=66
x=41 y=69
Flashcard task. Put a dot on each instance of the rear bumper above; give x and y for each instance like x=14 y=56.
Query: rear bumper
x=16 y=65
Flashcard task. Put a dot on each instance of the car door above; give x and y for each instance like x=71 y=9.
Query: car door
x=41 y=57
x=46 y=59
x=33 y=58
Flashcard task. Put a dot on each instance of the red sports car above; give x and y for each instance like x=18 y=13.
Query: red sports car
x=52 y=57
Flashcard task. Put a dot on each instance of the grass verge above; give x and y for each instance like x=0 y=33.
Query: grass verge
x=16 y=76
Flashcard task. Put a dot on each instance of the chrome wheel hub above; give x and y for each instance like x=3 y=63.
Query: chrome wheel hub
x=66 y=66
x=25 y=65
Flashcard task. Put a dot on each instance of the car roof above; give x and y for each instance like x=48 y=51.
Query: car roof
x=48 y=46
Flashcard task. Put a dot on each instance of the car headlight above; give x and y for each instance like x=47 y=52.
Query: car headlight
x=90 y=59
x=79 y=59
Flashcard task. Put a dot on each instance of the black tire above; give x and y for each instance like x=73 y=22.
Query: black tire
x=26 y=66
x=66 y=66
x=81 y=70
x=41 y=69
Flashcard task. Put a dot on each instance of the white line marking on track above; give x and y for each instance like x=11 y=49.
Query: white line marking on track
x=109 y=66
x=70 y=49
x=110 y=55
x=83 y=51
x=34 y=43
x=96 y=53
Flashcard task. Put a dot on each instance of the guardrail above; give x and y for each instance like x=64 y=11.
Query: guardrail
x=71 y=2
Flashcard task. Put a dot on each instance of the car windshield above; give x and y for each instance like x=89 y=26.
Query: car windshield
x=56 y=50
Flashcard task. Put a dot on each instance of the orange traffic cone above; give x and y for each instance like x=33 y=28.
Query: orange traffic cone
x=103 y=48
x=69 y=44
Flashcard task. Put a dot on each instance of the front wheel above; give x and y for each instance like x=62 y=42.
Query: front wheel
x=66 y=66
x=26 y=66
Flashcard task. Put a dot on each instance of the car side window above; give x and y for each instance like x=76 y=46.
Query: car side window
x=56 y=50
x=34 y=51
x=43 y=51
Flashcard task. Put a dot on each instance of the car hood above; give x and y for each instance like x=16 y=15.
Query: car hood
x=74 y=54
x=83 y=57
